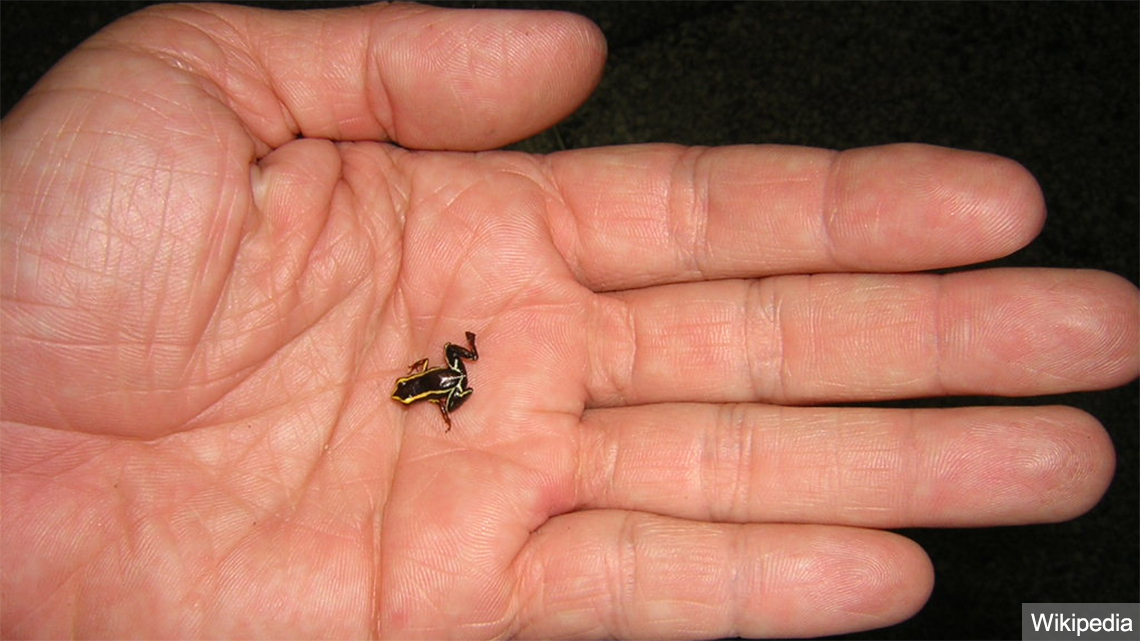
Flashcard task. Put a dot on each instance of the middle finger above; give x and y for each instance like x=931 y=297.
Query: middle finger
x=845 y=337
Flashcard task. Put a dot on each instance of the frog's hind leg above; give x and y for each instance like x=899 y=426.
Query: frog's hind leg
x=443 y=410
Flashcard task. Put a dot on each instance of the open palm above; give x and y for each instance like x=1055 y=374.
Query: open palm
x=206 y=301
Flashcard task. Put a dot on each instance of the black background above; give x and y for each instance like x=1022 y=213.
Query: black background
x=1055 y=86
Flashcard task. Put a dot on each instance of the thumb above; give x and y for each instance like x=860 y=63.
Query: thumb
x=423 y=77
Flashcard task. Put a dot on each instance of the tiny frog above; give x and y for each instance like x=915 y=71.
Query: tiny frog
x=445 y=385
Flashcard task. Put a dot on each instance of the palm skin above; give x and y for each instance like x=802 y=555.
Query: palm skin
x=206 y=303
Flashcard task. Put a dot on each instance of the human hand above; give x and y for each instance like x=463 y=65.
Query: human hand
x=205 y=304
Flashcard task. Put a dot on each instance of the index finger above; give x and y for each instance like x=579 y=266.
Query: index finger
x=644 y=215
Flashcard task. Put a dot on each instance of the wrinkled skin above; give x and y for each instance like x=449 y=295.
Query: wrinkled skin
x=215 y=264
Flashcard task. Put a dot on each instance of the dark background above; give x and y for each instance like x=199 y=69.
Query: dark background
x=1055 y=86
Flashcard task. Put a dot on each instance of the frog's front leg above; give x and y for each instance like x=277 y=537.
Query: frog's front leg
x=422 y=364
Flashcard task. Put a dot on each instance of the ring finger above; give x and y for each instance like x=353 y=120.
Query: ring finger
x=851 y=466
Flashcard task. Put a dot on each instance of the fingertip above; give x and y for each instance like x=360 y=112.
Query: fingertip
x=914 y=579
x=868 y=579
x=1009 y=198
x=475 y=79
x=1119 y=324
x=1094 y=464
x=1066 y=467
x=912 y=206
x=824 y=580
